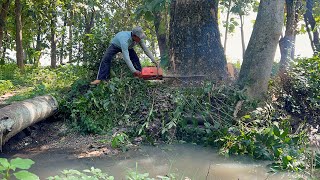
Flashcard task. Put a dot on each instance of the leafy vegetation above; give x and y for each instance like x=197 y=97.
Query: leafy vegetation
x=217 y=116
x=272 y=141
x=9 y=169
x=300 y=95
x=120 y=140
x=92 y=173
x=204 y=115
x=5 y=86
x=38 y=81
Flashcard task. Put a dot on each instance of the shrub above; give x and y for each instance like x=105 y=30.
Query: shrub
x=5 y=86
x=300 y=95
x=9 y=168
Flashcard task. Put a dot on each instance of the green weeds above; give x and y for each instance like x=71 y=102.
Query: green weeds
x=38 y=81
x=92 y=173
x=5 y=86
x=210 y=115
x=9 y=169
x=120 y=140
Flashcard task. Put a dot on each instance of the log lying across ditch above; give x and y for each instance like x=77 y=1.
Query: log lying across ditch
x=17 y=116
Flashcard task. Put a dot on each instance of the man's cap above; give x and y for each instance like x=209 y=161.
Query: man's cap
x=138 y=32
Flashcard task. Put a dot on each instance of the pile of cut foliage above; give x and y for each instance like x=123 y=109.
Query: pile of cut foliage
x=213 y=115
x=206 y=115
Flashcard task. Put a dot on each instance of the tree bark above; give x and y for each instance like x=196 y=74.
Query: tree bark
x=62 y=50
x=53 y=38
x=89 y=23
x=287 y=43
x=3 y=18
x=242 y=35
x=38 y=47
x=17 y=116
x=19 y=47
x=70 y=34
x=258 y=59
x=195 y=45
x=3 y=55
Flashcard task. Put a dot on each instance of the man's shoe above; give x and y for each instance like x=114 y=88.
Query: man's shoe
x=95 y=82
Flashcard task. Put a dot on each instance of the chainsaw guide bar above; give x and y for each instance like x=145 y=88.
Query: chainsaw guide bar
x=154 y=73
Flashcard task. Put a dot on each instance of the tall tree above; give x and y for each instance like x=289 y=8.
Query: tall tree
x=160 y=27
x=19 y=48
x=38 y=47
x=3 y=16
x=70 y=43
x=157 y=12
x=195 y=45
x=258 y=59
x=287 y=43
x=53 y=29
x=311 y=26
x=228 y=4
x=242 y=8
x=89 y=23
x=62 y=45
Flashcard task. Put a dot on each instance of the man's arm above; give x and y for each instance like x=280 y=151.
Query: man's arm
x=147 y=51
x=126 y=57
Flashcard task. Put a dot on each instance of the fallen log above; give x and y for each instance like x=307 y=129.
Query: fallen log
x=19 y=115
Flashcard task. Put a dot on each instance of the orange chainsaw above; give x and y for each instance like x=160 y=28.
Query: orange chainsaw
x=155 y=73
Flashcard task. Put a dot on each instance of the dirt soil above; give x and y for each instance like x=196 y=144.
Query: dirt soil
x=54 y=136
x=4 y=97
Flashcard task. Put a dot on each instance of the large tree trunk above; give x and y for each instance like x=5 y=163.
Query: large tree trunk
x=259 y=56
x=3 y=17
x=19 y=47
x=287 y=43
x=16 y=117
x=195 y=45
x=311 y=26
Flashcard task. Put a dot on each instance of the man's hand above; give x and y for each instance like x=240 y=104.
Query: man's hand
x=137 y=74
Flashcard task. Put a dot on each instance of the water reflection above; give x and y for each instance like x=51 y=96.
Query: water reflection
x=183 y=160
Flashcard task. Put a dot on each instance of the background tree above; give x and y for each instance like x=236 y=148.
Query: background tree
x=228 y=4
x=242 y=8
x=53 y=29
x=287 y=43
x=195 y=46
x=259 y=56
x=19 y=48
x=156 y=11
x=311 y=27
x=3 y=17
x=70 y=23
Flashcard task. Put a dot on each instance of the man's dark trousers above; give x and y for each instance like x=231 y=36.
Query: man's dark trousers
x=104 y=69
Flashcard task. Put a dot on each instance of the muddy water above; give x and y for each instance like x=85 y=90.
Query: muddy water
x=186 y=160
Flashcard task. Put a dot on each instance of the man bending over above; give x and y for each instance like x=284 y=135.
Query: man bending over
x=124 y=42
